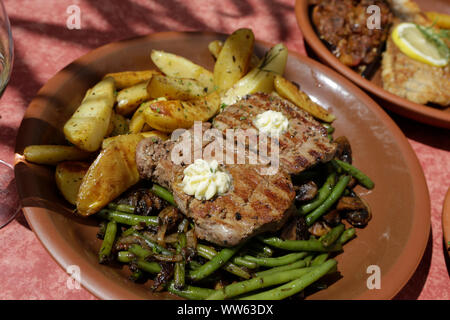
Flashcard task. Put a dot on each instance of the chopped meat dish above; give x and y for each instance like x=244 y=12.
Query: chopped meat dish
x=342 y=25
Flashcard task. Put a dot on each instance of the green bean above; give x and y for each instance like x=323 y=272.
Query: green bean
x=334 y=196
x=241 y=261
x=259 y=282
x=294 y=265
x=308 y=260
x=163 y=194
x=215 y=263
x=180 y=267
x=154 y=246
x=318 y=260
x=194 y=265
x=296 y=285
x=209 y=253
x=346 y=235
x=127 y=218
x=128 y=232
x=125 y=256
x=322 y=195
x=151 y=267
x=108 y=242
x=300 y=245
x=102 y=230
x=179 y=274
x=140 y=252
x=260 y=250
x=333 y=235
x=136 y=275
x=356 y=173
x=329 y=127
x=190 y=292
x=279 y=261
x=121 y=207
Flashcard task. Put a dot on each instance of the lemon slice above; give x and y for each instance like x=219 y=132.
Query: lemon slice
x=415 y=45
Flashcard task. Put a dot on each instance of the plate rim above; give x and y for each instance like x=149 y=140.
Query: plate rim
x=418 y=112
x=101 y=287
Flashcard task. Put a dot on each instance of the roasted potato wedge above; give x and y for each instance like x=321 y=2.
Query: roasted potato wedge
x=113 y=172
x=215 y=46
x=53 y=154
x=130 y=98
x=234 y=58
x=127 y=79
x=147 y=134
x=89 y=124
x=120 y=125
x=261 y=78
x=175 y=66
x=289 y=91
x=155 y=133
x=68 y=176
x=137 y=122
x=166 y=116
x=174 y=88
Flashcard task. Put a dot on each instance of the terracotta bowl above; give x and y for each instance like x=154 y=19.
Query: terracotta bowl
x=394 y=240
x=434 y=116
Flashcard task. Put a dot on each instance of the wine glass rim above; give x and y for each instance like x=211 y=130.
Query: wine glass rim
x=7 y=164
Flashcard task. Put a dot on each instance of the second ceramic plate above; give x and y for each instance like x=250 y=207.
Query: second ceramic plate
x=422 y=113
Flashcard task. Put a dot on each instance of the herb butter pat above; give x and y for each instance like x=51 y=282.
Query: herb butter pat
x=271 y=122
x=204 y=180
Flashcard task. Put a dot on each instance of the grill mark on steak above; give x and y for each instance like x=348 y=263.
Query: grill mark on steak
x=304 y=143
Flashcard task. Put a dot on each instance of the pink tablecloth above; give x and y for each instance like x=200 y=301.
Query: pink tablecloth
x=44 y=45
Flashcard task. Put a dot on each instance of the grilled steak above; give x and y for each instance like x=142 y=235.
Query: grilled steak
x=304 y=143
x=255 y=203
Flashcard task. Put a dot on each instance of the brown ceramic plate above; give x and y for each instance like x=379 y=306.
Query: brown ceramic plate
x=422 y=113
x=394 y=240
x=446 y=221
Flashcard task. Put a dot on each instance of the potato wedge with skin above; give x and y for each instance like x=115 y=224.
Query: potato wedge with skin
x=156 y=134
x=53 y=154
x=289 y=91
x=215 y=46
x=176 y=66
x=174 y=88
x=234 y=58
x=147 y=134
x=261 y=78
x=127 y=79
x=130 y=98
x=89 y=124
x=120 y=125
x=166 y=116
x=137 y=122
x=68 y=177
x=113 y=172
